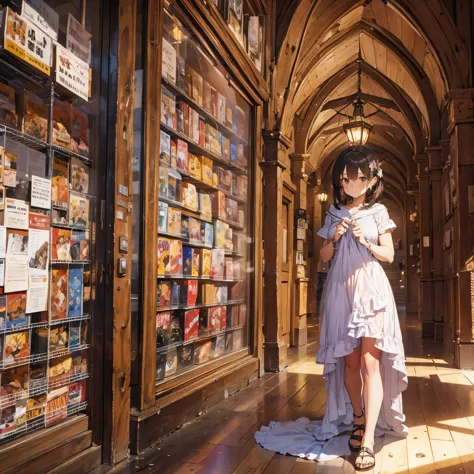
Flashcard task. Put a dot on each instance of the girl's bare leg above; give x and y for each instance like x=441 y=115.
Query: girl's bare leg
x=353 y=384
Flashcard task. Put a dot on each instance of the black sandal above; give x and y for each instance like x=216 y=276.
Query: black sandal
x=365 y=451
x=354 y=437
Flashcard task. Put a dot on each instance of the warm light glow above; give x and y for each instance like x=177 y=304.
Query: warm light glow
x=178 y=34
x=322 y=197
x=357 y=132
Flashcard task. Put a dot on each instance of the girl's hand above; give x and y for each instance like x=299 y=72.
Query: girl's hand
x=359 y=233
x=341 y=229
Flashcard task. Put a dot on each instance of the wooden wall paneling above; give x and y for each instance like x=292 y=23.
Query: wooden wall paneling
x=152 y=105
x=121 y=337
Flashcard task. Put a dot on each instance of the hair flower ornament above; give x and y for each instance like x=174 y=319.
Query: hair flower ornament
x=379 y=173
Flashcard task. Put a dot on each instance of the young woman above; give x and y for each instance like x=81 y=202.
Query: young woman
x=359 y=330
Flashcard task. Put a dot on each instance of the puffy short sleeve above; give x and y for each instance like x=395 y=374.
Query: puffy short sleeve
x=324 y=231
x=384 y=223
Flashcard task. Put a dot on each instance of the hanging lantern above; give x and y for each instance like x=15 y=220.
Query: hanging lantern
x=358 y=129
x=322 y=197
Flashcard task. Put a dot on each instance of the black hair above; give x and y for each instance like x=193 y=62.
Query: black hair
x=352 y=160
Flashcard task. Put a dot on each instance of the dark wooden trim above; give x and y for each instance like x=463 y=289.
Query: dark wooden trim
x=17 y=453
x=152 y=105
x=207 y=20
x=217 y=387
x=81 y=463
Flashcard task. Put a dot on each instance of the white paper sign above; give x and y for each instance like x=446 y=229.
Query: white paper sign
x=37 y=295
x=72 y=73
x=78 y=40
x=168 y=70
x=40 y=192
x=426 y=241
x=3 y=242
x=2 y=272
x=39 y=48
x=16 y=214
x=16 y=273
x=42 y=15
x=38 y=250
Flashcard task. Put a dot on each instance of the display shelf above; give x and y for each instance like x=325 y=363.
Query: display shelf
x=76 y=408
x=70 y=262
x=234 y=225
x=169 y=234
x=65 y=153
x=160 y=309
x=14 y=432
x=67 y=226
x=26 y=327
x=189 y=277
x=62 y=206
x=22 y=138
x=35 y=424
x=230 y=253
x=180 y=205
x=179 y=170
x=39 y=389
x=5 y=365
x=84 y=317
x=67 y=350
x=56 y=415
x=196 y=244
x=62 y=380
x=182 y=95
x=197 y=149
x=15 y=71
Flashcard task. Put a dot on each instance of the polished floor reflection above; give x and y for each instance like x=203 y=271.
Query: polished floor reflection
x=439 y=405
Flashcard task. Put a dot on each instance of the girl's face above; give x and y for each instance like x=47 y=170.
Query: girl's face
x=356 y=188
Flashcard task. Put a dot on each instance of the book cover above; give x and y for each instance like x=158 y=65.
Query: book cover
x=56 y=408
x=59 y=338
x=84 y=332
x=174 y=221
x=242 y=184
x=61 y=244
x=165 y=147
x=214 y=103
x=60 y=182
x=62 y=124
x=205 y=204
x=225 y=148
x=206 y=170
x=187 y=117
x=35 y=407
x=164 y=181
x=207 y=97
x=221 y=294
x=35 y=119
x=185 y=227
x=185 y=356
x=168 y=62
x=80 y=132
x=39 y=341
x=191 y=323
x=190 y=196
x=229 y=114
x=171 y=362
x=163 y=217
x=214 y=145
x=37 y=375
x=195 y=166
x=176 y=328
x=202 y=351
x=207 y=136
x=192 y=292
x=220 y=231
x=74 y=334
x=207 y=234
x=179 y=119
x=234 y=191
x=182 y=155
x=189 y=82
x=233 y=153
x=195 y=263
x=164 y=294
x=78 y=211
x=176 y=257
x=163 y=322
x=225 y=179
x=160 y=365
x=3 y=313
x=174 y=185
x=215 y=318
x=17 y=348
x=198 y=86
x=187 y=261
x=75 y=293
x=232 y=210
x=8 y=112
x=229 y=269
x=194 y=230
x=208 y=293
x=77 y=393
x=174 y=153
x=219 y=205
x=229 y=242
x=15 y=310
x=206 y=256
x=221 y=108
x=218 y=347
x=217 y=265
x=14 y=384
x=240 y=156
x=181 y=73
x=195 y=131
x=79 y=363
x=175 y=293
x=168 y=108
x=163 y=256
x=202 y=134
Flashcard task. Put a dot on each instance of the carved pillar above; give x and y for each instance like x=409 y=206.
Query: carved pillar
x=274 y=152
x=461 y=131
x=426 y=283
x=299 y=176
x=412 y=254
x=436 y=174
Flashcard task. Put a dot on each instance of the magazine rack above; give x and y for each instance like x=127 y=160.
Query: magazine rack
x=44 y=354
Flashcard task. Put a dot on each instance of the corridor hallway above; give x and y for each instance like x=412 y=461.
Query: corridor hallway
x=439 y=406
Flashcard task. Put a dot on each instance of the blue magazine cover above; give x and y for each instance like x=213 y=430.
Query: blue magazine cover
x=75 y=293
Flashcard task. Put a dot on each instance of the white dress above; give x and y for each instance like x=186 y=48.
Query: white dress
x=357 y=302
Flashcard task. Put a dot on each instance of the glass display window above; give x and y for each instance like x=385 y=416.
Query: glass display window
x=47 y=208
x=203 y=216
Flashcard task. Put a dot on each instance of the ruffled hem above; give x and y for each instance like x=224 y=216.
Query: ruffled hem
x=387 y=225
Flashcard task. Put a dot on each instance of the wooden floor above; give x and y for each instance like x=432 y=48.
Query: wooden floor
x=439 y=406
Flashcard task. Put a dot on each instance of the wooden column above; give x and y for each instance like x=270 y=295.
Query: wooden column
x=275 y=351
x=426 y=283
x=299 y=176
x=412 y=251
x=436 y=175
x=461 y=131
